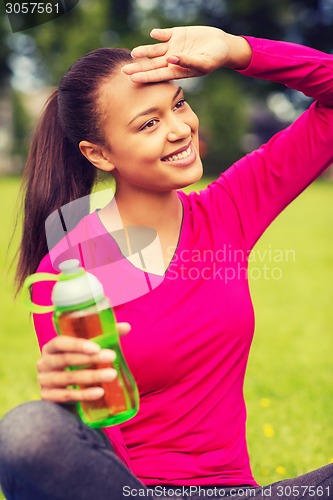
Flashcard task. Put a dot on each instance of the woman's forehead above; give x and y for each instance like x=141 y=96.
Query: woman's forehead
x=121 y=93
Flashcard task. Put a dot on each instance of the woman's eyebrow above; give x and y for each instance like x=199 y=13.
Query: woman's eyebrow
x=152 y=110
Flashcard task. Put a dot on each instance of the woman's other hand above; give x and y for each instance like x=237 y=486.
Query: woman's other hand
x=185 y=52
x=63 y=352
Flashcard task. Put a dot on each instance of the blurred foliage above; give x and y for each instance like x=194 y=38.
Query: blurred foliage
x=21 y=122
x=221 y=100
x=4 y=49
x=221 y=109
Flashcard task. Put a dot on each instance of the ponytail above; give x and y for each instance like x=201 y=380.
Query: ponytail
x=55 y=174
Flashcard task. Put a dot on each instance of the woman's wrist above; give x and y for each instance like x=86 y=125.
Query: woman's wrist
x=240 y=52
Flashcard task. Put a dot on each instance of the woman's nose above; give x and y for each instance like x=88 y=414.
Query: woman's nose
x=178 y=130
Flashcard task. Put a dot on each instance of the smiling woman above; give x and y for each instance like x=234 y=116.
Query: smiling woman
x=191 y=324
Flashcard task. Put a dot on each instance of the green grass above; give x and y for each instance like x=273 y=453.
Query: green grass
x=289 y=380
x=18 y=346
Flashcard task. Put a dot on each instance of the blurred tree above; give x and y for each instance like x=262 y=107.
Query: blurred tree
x=21 y=123
x=121 y=12
x=90 y=25
x=4 y=49
x=68 y=37
x=263 y=18
x=314 y=23
x=220 y=107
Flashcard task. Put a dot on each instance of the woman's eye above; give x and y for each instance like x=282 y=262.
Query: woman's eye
x=180 y=103
x=149 y=124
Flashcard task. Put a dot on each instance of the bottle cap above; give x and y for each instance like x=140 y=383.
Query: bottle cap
x=71 y=266
x=75 y=286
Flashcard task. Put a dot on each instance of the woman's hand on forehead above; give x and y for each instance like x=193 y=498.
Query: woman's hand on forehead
x=183 y=52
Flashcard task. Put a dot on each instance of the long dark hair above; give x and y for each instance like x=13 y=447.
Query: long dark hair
x=56 y=172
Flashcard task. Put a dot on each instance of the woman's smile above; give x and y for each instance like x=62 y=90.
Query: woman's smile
x=183 y=157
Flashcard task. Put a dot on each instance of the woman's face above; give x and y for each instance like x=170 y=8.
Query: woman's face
x=152 y=134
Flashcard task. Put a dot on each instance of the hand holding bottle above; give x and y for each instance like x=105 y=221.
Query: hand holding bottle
x=63 y=352
x=85 y=364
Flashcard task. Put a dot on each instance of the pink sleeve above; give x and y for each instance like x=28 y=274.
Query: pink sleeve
x=264 y=182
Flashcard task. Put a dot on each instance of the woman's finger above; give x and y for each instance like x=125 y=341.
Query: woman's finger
x=64 y=360
x=64 y=343
x=172 y=72
x=162 y=34
x=123 y=328
x=200 y=65
x=60 y=379
x=72 y=395
x=156 y=50
x=167 y=68
x=145 y=65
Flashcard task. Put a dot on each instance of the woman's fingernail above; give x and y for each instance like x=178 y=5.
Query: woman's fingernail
x=173 y=59
x=107 y=355
x=91 y=347
x=97 y=392
x=108 y=374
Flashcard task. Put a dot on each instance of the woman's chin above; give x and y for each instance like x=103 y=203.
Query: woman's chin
x=194 y=175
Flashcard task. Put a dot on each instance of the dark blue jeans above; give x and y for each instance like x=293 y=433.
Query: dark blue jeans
x=46 y=453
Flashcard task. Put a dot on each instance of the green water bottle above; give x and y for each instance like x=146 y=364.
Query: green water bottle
x=80 y=309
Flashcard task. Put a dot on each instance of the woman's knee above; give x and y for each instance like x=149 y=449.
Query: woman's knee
x=31 y=430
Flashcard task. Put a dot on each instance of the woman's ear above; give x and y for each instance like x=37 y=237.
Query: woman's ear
x=99 y=157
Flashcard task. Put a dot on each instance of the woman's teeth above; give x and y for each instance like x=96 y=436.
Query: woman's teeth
x=180 y=156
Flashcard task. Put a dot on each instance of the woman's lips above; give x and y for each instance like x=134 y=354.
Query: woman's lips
x=183 y=158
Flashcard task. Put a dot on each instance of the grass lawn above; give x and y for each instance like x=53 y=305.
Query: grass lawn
x=289 y=380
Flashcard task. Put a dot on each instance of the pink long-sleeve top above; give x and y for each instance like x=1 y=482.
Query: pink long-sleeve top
x=192 y=331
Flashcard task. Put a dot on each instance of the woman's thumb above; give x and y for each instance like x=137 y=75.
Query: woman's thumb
x=186 y=61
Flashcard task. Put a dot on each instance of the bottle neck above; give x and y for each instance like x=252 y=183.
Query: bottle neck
x=79 y=307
